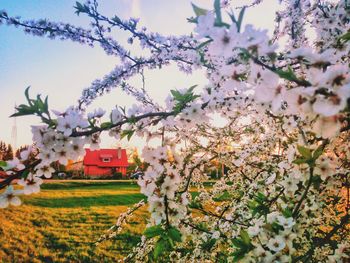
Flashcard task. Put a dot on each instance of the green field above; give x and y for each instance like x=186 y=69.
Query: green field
x=61 y=223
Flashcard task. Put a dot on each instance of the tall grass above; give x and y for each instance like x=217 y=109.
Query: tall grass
x=61 y=223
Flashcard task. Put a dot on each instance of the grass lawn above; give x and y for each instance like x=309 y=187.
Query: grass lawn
x=61 y=223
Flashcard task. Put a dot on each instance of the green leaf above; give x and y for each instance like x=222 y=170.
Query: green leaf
x=40 y=104
x=224 y=196
x=127 y=133
x=192 y=20
x=252 y=204
x=199 y=11
x=153 y=231
x=204 y=44
x=287 y=213
x=190 y=90
x=106 y=125
x=318 y=152
x=276 y=227
x=116 y=19
x=195 y=204
x=240 y=19
x=237 y=242
x=176 y=94
x=316 y=181
x=238 y=255
x=46 y=105
x=345 y=37
x=26 y=93
x=217 y=8
x=305 y=152
x=25 y=174
x=160 y=248
x=3 y=164
x=245 y=237
x=233 y=18
x=288 y=75
x=23 y=110
x=80 y=8
x=183 y=98
x=208 y=245
x=260 y=197
x=243 y=246
x=174 y=234
x=300 y=161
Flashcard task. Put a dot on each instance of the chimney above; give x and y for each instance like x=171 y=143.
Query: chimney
x=119 y=153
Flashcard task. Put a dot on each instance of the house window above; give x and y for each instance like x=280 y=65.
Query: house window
x=106 y=160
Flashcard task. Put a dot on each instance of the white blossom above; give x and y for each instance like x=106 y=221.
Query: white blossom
x=10 y=197
x=276 y=244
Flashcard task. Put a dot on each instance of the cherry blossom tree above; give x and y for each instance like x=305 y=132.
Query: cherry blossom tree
x=285 y=143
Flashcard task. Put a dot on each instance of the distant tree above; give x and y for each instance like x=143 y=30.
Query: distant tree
x=19 y=150
x=135 y=162
x=3 y=149
x=32 y=154
x=8 y=154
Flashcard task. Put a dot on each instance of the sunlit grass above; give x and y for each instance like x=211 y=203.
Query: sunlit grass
x=61 y=223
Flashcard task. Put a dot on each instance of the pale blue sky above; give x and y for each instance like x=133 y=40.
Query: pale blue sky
x=61 y=69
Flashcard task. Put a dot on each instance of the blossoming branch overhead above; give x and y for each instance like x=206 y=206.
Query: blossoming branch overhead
x=283 y=148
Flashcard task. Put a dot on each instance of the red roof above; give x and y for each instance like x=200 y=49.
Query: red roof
x=3 y=175
x=117 y=158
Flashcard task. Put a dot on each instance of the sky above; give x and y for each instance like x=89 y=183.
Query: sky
x=61 y=69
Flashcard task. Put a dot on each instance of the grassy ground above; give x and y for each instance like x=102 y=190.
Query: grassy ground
x=61 y=223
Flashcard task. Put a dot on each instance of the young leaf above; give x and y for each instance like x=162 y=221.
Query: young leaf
x=240 y=19
x=106 y=125
x=289 y=75
x=232 y=16
x=318 y=152
x=203 y=44
x=287 y=213
x=207 y=246
x=116 y=19
x=245 y=237
x=300 y=161
x=190 y=90
x=176 y=94
x=3 y=164
x=238 y=255
x=217 y=8
x=199 y=11
x=25 y=174
x=237 y=242
x=316 y=181
x=260 y=197
x=160 y=247
x=127 y=133
x=23 y=110
x=40 y=104
x=153 y=231
x=174 y=234
x=345 y=37
x=80 y=8
x=26 y=93
x=46 y=105
x=305 y=152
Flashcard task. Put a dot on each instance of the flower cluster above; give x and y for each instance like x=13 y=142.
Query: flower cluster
x=160 y=184
x=271 y=127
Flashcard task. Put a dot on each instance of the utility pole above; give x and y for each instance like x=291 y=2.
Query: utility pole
x=14 y=133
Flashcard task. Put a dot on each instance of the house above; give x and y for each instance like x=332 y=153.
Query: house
x=3 y=175
x=105 y=162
